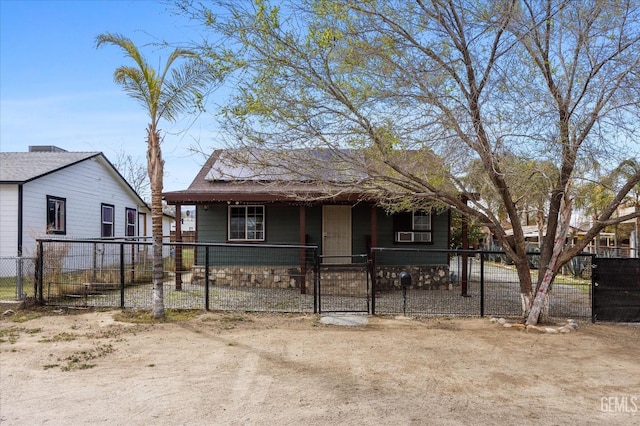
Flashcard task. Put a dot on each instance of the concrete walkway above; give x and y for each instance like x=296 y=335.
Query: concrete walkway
x=349 y=320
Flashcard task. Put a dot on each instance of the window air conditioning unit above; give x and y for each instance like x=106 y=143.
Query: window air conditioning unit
x=404 y=237
x=411 y=237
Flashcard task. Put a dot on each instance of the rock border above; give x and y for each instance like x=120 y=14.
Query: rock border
x=568 y=327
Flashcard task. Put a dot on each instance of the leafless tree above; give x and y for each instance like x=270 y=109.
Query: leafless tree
x=134 y=173
x=428 y=88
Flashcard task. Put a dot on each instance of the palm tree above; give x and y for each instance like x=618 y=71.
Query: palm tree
x=164 y=94
x=626 y=170
x=594 y=197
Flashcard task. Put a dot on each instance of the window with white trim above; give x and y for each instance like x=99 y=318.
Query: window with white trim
x=56 y=215
x=107 y=220
x=421 y=221
x=246 y=223
x=415 y=227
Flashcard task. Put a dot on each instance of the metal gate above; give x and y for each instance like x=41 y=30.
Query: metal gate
x=616 y=290
x=344 y=284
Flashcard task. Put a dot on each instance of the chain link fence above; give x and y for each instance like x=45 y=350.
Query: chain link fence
x=17 y=277
x=102 y=273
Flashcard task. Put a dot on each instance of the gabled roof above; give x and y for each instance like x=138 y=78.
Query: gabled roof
x=303 y=175
x=260 y=176
x=22 y=167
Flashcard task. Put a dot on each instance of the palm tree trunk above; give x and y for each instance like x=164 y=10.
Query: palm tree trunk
x=156 y=166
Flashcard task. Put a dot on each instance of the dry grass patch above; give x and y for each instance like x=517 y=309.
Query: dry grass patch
x=139 y=316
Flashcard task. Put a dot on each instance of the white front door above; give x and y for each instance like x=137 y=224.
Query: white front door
x=336 y=233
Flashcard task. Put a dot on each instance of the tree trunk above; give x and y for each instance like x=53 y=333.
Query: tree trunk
x=526 y=298
x=526 y=293
x=540 y=306
x=156 y=166
x=519 y=257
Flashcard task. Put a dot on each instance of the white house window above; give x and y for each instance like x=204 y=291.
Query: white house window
x=421 y=221
x=56 y=215
x=107 y=220
x=130 y=218
x=417 y=230
x=246 y=223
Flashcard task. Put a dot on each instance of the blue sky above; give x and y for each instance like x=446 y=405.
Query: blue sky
x=56 y=88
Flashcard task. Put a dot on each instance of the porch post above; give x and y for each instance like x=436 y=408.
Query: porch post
x=303 y=253
x=372 y=260
x=374 y=226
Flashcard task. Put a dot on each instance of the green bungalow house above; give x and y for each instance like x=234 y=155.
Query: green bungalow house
x=249 y=200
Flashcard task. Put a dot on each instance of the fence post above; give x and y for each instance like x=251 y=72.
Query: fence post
x=39 y=269
x=369 y=279
x=373 y=281
x=19 y=278
x=206 y=277
x=121 y=275
x=94 y=271
x=303 y=271
x=463 y=274
x=594 y=284
x=316 y=282
x=482 y=284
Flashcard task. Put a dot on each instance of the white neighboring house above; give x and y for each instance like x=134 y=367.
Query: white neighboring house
x=188 y=223
x=51 y=192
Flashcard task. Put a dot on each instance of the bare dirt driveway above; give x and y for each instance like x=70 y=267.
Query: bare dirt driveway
x=250 y=369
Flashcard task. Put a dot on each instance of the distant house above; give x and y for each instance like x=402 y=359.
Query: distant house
x=246 y=203
x=51 y=192
x=188 y=222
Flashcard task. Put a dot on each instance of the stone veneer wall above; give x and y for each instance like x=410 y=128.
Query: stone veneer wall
x=348 y=281
x=426 y=277
x=253 y=276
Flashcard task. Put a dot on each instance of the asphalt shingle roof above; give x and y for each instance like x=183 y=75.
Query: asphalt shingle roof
x=19 y=167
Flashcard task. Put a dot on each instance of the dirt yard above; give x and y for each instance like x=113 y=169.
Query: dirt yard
x=245 y=369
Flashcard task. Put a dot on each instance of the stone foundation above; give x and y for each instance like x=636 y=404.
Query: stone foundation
x=426 y=277
x=343 y=281
x=252 y=276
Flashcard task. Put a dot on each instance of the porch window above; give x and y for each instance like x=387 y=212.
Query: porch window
x=107 y=220
x=413 y=227
x=130 y=217
x=246 y=223
x=56 y=215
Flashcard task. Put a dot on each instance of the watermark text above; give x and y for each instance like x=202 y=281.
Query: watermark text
x=620 y=404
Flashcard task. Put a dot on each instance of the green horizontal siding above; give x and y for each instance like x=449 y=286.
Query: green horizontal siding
x=440 y=237
x=360 y=228
x=212 y=224
x=313 y=221
x=283 y=226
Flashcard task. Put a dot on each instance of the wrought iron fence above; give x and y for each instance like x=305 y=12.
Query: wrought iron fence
x=344 y=284
x=293 y=278
x=469 y=282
